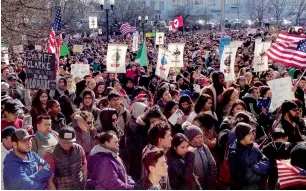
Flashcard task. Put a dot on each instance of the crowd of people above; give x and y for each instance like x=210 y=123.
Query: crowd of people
x=116 y=131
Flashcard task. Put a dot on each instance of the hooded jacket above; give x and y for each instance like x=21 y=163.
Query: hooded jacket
x=23 y=174
x=251 y=104
x=58 y=122
x=293 y=131
x=107 y=170
x=59 y=92
x=94 y=110
x=248 y=167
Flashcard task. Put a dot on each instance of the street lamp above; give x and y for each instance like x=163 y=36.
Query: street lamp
x=143 y=25
x=112 y=2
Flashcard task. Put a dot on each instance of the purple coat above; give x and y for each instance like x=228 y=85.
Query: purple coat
x=107 y=172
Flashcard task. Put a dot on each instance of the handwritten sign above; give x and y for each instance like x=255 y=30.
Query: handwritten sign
x=41 y=73
x=38 y=47
x=228 y=62
x=18 y=49
x=115 y=59
x=77 y=48
x=281 y=90
x=79 y=70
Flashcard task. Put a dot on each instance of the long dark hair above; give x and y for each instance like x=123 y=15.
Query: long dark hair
x=169 y=106
x=36 y=101
x=106 y=119
x=177 y=140
x=201 y=101
x=237 y=102
x=66 y=108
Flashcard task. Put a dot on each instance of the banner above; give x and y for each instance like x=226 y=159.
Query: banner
x=79 y=70
x=41 y=72
x=281 y=90
x=93 y=22
x=260 y=59
x=115 y=59
x=163 y=63
x=177 y=57
x=38 y=47
x=150 y=34
x=77 y=48
x=223 y=42
x=135 y=43
x=18 y=49
x=228 y=63
x=160 y=38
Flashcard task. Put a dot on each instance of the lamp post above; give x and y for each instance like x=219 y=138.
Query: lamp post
x=112 y=2
x=143 y=25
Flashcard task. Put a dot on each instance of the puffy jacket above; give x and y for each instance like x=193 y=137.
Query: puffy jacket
x=23 y=174
x=248 y=167
x=107 y=171
x=58 y=122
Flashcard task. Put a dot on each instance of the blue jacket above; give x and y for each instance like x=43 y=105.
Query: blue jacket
x=21 y=174
x=264 y=102
x=248 y=167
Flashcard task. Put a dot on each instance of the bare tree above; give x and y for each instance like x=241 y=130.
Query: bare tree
x=259 y=10
x=24 y=20
x=282 y=9
x=185 y=11
x=300 y=10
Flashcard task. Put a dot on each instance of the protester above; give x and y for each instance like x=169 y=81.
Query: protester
x=106 y=167
x=58 y=119
x=24 y=169
x=10 y=118
x=39 y=105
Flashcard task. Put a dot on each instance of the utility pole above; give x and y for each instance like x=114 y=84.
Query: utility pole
x=222 y=21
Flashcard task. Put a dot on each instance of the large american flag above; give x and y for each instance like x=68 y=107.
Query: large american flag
x=126 y=28
x=289 y=175
x=55 y=39
x=289 y=49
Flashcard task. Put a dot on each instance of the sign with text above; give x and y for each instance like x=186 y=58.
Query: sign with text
x=18 y=49
x=228 y=63
x=260 y=59
x=163 y=63
x=93 y=22
x=41 y=72
x=281 y=90
x=160 y=38
x=177 y=51
x=135 y=43
x=115 y=59
x=79 y=70
x=38 y=48
x=77 y=48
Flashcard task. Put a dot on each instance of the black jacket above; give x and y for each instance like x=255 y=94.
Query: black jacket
x=293 y=132
x=251 y=104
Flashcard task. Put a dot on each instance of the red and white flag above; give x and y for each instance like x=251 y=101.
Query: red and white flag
x=289 y=175
x=289 y=49
x=177 y=23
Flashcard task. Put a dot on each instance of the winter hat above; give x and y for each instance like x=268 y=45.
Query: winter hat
x=138 y=109
x=241 y=130
x=287 y=106
x=298 y=156
x=192 y=131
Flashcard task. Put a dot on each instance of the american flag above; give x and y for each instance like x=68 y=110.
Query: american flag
x=289 y=175
x=55 y=39
x=126 y=28
x=289 y=49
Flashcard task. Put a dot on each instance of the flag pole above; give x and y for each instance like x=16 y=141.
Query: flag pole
x=296 y=84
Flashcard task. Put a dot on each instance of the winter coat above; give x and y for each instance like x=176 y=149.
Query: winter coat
x=96 y=114
x=205 y=168
x=180 y=171
x=248 y=167
x=107 y=171
x=293 y=131
x=265 y=103
x=276 y=151
x=145 y=184
x=300 y=95
x=23 y=174
x=251 y=104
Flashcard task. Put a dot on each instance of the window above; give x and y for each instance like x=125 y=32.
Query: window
x=226 y=2
x=175 y=2
x=152 y=4
x=161 y=5
x=211 y=2
x=236 y=2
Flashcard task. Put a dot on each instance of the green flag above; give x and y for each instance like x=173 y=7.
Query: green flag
x=64 y=50
x=3 y=44
x=141 y=57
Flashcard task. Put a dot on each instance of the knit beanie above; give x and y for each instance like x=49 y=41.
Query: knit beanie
x=298 y=156
x=241 y=130
x=287 y=106
x=192 y=131
x=178 y=77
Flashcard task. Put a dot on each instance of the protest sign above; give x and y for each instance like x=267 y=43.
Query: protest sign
x=163 y=63
x=18 y=49
x=4 y=55
x=160 y=38
x=100 y=31
x=77 y=48
x=281 y=90
x=223 y=42
x=177 y=57
x=93 y=22
x=79 y=70
x=41 y=72
x=115 y=59
x=228 y=63
x=177 y=114
x=236 y=43
x=150 y=34
x=38 y=47
x=260 y=59
x=135 y=43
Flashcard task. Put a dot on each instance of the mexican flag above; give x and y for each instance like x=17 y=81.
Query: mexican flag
x=64 y=50
x=141 y=57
